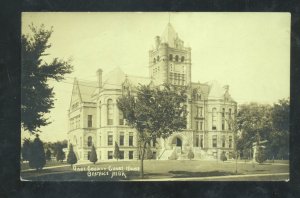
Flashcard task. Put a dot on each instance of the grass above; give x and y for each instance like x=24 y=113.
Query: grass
x=154 y=169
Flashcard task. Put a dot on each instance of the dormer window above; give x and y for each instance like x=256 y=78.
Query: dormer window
x=182 y=59
x=157 y=58
x=170 y=57
x=176 y=58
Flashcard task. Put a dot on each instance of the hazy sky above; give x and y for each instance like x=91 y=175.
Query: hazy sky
x=248 y=51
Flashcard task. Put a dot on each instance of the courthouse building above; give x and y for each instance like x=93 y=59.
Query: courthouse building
x=95 y=119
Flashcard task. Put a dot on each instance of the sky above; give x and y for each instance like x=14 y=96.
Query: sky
x=248 y=51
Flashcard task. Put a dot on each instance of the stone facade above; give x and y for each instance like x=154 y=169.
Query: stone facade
x=95 y=119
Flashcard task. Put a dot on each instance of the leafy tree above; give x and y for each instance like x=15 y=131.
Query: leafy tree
x=37 y=158
x=117 y=151
x=254 y=121
x=278 y=146
x=149 y=153
x=191 y=154
x=71 y=159
x=223 y=156
x=48 y=155
x=155 y=112
x=26 y=149
x=93 y=156
x=37 y=96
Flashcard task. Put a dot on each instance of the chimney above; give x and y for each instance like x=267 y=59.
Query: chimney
x=99 y=76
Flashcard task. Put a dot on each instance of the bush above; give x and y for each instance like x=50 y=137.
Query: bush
x=48 y=155
x=93 y=156
x=223 y=156
x=71 y=159
x=60 y=155
x=26 y=149
x=260 y=156
x=173 y=156
x=191 y=154
x=37 y=158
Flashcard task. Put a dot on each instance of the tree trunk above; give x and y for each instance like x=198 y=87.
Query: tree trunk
x=142 y=161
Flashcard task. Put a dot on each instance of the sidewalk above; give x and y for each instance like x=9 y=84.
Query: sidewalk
x=51 y=167
x=218 y=178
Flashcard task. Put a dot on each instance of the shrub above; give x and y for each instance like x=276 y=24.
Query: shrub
x=191 y=154
x=26 y=149
x=48 y=155
x=260 y=156
x=37 y=158
x=93 y=156
x=173 y=156
x=223 y=156
x=71 y=159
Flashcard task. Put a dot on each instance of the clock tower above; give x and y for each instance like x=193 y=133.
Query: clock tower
x=170 y=60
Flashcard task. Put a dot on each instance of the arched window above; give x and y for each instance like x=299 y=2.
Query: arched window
x=176 y=58
x=182 y=58
x=90 y=141
x=214 y=119
x=170 y=57
x=110 y=112
x=154 y=60
x=157 y=58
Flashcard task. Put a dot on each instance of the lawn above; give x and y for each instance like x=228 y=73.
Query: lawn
x=154 y=169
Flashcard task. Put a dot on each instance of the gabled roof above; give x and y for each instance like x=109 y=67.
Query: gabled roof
x=137 y=80
x=86 y=89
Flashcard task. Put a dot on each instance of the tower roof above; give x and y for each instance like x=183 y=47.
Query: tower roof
x=169 y=35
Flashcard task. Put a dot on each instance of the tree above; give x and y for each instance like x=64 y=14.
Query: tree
x=37 y=158
x=278 y=146
x=149 y=153
x=155 y=112
x=223 y=156
x=93 y=156
x=26 y=149
x=191 y=154
x=117 y=151
x=48 y=155
x=37 y=96
x=71 y=159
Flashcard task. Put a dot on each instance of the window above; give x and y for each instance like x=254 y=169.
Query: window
x=121 y=155
x=214 y=119
x=197 y=141
x=223 y=124
x=121 y=118
x=122 y=139
x=170 y=57
x=110 y=139
x=90 y=141
x=80 y=142
x=223 y=141
x=176 y=58
x=229 y=113
x=223 y=113
x=157 y=58
x=199 y=111
x=90 y=120
x=182 y=58
x=214 y=141
x=100 y=141
x=130 y=155
x=154 y=60
x=130 y=139
x=230 y=142
x=199 y=125
x=109 y=112
x=110 y=155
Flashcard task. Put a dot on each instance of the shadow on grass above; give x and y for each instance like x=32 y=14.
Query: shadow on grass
x=182 y=174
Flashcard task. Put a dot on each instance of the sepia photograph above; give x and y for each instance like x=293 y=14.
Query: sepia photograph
x=155 y=96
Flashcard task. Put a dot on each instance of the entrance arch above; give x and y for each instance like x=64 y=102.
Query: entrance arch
x=178 y=142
